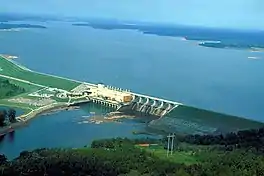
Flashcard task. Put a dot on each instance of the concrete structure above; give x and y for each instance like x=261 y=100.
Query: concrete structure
x=61 y=89
x=118 y=98
x=114 y=94
x=151 y=105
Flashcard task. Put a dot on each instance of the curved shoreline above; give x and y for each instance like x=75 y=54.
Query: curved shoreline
x=25 y=118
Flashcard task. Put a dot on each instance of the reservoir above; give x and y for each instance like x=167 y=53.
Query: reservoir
x=215 y=79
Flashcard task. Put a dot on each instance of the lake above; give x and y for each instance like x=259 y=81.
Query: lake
x=216 y=79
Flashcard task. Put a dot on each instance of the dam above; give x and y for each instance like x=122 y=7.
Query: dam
x=44 y=91
x=169 y=114
x=124 y=100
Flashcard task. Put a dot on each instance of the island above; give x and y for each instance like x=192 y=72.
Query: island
x=242 y=46
x=8 y=26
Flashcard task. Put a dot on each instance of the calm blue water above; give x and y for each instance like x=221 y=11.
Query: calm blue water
x=63 y=129
x=215 y=79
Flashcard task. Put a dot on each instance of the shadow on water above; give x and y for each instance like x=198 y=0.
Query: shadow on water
x=11 y=136
x=2 y=137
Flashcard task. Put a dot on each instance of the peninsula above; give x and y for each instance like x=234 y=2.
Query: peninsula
x=38 y=92
x=206 y=37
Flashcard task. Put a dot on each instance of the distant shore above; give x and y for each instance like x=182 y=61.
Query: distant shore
x=202 y=35
x=8 y=26
x=9 y=56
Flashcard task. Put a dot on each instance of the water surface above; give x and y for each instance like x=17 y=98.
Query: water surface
x=63 y=129
x=215 y=79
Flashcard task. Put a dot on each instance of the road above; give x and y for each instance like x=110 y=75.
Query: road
x=24 y=81
x=26 y=69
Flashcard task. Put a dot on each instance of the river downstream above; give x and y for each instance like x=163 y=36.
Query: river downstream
x=67 y=129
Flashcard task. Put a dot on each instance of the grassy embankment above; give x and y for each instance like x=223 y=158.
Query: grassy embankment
x=22 y=82
x=8 y=68
x=12 y=89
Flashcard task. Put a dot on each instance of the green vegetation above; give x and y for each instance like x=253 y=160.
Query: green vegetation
x=8 y=89
x=180 y=157
x=242 y=46
x=28 y=87
x=8 y=68
x=28 y=90
x=25 y=107
x=252 y=140
x=123 y=157
x=7 y=117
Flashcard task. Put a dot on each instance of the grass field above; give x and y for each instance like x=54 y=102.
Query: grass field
x=8 y=89
x=10 y=69
x=28 y=87
x=25 y=107
x=181 y=157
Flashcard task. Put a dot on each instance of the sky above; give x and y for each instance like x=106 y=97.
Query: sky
x=245 y=14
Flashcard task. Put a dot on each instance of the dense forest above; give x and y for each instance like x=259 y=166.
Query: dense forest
x=119 y=156
x=252 y=139
x=8 y=89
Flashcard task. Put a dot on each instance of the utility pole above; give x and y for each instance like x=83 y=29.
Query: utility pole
x=168 y=146
x=170 y=143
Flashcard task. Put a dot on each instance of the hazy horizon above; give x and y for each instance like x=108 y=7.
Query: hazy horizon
x=237 y=14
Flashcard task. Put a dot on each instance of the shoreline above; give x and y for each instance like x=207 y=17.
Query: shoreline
x=25 y=118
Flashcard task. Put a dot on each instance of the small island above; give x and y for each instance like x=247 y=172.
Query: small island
x=8 y=26
x=242 y=46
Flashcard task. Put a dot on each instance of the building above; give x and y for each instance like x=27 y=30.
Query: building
x=111 y=94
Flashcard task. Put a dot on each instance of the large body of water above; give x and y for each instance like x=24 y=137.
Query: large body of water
x=216 y=79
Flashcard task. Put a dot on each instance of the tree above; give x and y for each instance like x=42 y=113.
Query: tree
x=12 y=115
x=3 y=159
x=5 y=113
x=2 y=118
